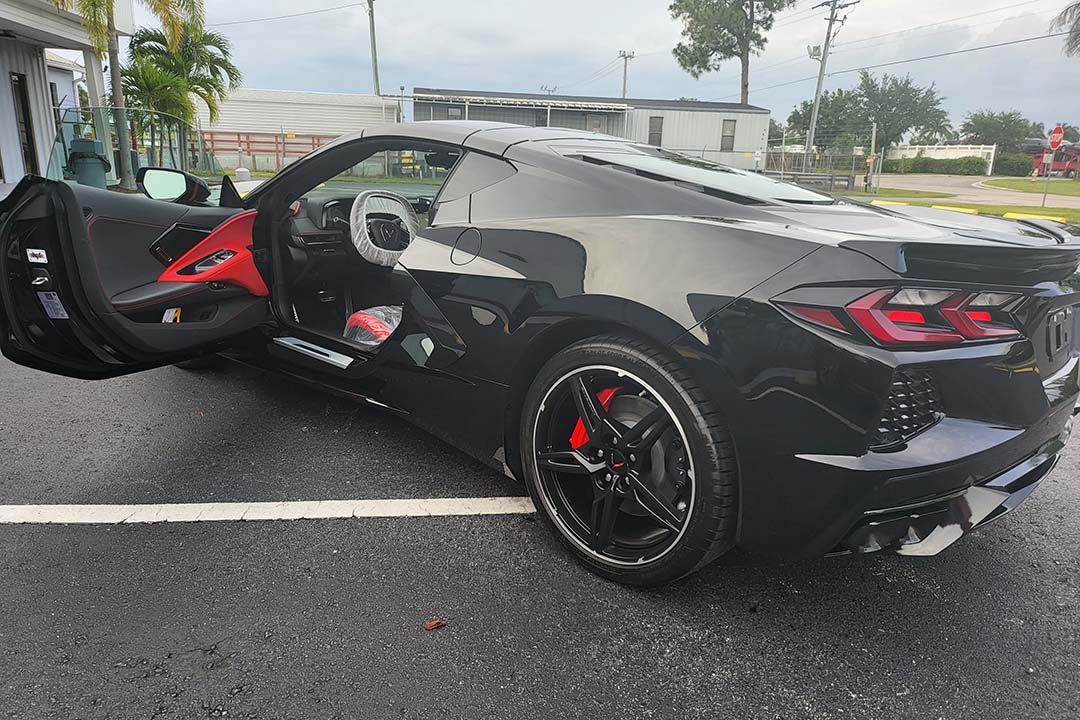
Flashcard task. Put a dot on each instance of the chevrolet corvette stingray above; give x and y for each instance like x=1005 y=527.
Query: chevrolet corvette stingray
x=677 y=358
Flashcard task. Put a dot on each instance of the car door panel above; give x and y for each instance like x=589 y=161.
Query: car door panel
x=97 y=314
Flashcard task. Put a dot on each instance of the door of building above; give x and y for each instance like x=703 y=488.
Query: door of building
x=24 y=123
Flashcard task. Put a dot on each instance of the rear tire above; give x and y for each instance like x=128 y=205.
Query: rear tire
x=675 y=511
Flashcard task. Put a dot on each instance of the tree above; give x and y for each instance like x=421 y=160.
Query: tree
x=718 y=30
x=1069 y=20
x=203 y=58
x=1007 y=130
x=841 y=113
x=99 y=22
x=1072 y=133
x=161 y=92
x=899 y=106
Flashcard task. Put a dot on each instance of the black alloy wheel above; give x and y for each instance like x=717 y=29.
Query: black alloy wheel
x=611 y=462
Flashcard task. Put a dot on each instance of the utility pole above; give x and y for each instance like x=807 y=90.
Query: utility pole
x=626 y=58
x=830 y=34
x=374 y=51
x=872 y=159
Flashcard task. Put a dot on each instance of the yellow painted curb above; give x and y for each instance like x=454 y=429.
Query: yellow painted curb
x=1026 y=216
x=969 y=211
x=887 y=202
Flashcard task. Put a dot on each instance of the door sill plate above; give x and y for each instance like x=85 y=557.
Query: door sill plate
x=318 y=352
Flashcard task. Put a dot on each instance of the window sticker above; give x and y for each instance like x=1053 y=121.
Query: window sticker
x=53 y=307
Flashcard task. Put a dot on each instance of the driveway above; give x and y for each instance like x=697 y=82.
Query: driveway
x=323 y=618
x=967 y=189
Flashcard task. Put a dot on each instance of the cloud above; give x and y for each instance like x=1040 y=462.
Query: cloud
x=519 y=46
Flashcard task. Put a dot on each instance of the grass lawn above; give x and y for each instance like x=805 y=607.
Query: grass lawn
x=1071 y=215
x=1057 y=186
x=898 y=193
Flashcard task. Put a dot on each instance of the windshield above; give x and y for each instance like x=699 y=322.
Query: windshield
x=669 y=166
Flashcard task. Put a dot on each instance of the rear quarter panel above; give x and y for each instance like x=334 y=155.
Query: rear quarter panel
x=650 y=276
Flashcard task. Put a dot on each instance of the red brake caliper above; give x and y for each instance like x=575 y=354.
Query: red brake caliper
x=580 y=436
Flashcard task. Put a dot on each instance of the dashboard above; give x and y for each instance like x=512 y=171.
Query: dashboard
x=319 y=238
x=323 y=217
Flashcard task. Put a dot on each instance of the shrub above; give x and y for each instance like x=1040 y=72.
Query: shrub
x=951 y=166
x=1013 y=164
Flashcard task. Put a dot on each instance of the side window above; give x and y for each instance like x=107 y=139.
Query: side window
x=656 y=130
x=727 y=136
x=475 y=172
x=414 y=172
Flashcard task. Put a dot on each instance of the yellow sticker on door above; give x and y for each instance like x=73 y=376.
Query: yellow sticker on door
x=172 y=315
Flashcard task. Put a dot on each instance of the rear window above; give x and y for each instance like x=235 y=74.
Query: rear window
x=700 y=175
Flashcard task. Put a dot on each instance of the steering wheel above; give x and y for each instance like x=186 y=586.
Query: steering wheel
x=381 y=237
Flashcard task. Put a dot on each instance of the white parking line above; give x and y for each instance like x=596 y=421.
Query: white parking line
x=248 y=511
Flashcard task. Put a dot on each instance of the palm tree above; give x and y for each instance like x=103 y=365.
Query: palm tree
x=203 y=58
x=161 y=92
x=99 y=21
x=1069 y=20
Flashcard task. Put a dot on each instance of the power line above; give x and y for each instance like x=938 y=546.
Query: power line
x=283 y=17
x=901 y=62
x=951 y=52
x=605 y=70
x=939 y=22
x=840 y=48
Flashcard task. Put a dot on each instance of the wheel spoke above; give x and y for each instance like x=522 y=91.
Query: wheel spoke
x=660 y=509
x=568 y=461
x=646 y=431
x=605 y=509
x=591 y=410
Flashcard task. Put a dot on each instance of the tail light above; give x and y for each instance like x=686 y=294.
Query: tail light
x=915 y=316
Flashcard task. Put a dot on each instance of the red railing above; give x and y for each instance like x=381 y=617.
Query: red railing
x=260 y=147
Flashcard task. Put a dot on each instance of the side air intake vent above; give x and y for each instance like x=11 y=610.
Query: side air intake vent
x=913 y=406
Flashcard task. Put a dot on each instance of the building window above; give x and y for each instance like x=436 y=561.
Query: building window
x=541 y=118
x=24 y=123
x=454 y=113
x=727 y=136
x=656 y=130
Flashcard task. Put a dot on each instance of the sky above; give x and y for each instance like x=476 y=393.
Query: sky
x=513 y=45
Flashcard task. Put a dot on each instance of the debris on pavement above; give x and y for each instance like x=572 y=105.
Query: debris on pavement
x=433 y=624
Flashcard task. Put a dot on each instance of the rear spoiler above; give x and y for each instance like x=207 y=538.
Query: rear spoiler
x=989 y=263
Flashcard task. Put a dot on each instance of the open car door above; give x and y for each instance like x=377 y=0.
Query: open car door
x=95 y=283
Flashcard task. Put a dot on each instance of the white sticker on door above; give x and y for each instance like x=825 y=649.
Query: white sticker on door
x=53 y=307
x=35 y=255
x=172 y=315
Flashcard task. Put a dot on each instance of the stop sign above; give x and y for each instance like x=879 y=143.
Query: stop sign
x=1056 y=136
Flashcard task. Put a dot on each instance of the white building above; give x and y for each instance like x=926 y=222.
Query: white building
x=268 y=129
x=27 y=116
x=64 y=77
x=730 y=133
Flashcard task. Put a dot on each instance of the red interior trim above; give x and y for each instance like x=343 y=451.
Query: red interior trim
x=234 y=234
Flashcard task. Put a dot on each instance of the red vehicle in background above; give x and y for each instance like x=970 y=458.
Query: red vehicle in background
x=1065 y=158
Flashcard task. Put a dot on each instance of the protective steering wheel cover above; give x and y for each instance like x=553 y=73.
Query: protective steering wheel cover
x=361 y=239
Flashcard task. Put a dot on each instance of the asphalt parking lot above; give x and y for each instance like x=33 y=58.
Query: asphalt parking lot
x=324 y=618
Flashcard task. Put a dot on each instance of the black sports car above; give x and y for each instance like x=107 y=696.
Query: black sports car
x=677 y=358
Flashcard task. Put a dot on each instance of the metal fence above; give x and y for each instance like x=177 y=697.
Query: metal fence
x=832 y=172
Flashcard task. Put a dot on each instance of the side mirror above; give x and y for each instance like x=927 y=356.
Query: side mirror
x=172 y=185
